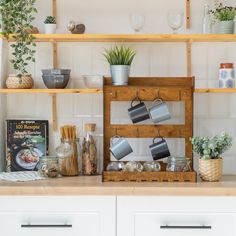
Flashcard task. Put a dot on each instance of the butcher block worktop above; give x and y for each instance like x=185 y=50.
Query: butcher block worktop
x=94 y=186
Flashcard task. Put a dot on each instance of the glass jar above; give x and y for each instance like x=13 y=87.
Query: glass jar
x=89 y=152
x=178 y=164
x=79 y=149
x=48 y=166
x=67 y=154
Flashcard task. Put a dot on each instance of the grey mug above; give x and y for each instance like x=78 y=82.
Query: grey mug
x=138 y=112
x=120 y=148
x=159 y=111
x=159 y=150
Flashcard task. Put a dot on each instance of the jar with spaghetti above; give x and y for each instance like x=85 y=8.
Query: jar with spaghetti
x=89 y=152
x=67 y=152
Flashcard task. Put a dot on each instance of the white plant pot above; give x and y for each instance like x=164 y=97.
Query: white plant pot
x=226 y=27
x=50 y=28
x=120 y=74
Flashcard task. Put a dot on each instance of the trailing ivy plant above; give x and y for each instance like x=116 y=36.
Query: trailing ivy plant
x=17 y=17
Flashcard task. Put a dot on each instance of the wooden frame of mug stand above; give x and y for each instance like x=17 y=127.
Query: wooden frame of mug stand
x=148 y=89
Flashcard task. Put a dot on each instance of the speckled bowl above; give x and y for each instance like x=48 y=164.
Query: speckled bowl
x=56 y=78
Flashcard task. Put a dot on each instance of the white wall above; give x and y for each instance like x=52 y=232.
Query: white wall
x=213 y=113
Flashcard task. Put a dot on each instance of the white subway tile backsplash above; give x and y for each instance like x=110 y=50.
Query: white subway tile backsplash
x=213 y=112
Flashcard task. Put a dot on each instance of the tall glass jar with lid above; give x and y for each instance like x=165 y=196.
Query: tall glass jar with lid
x=89 y=151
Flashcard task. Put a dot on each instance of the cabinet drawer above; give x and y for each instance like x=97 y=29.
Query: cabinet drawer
x=64 y=215
x=168 y=224
x=178 y=216
x=60 y=224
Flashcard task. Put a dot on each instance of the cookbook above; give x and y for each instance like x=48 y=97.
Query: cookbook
x=26 y=142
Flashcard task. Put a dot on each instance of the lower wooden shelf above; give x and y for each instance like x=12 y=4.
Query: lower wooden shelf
x=51 y=91
x=162 y=176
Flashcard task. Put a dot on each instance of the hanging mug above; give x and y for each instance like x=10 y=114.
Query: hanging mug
x=120 y=148
x=159 y=111
x=138 y=112
x=159 y=150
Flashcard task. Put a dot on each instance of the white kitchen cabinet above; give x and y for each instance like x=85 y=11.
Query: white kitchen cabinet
x=60 y=216
x=179 y=216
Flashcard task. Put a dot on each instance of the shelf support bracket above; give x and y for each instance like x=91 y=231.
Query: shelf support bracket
x=188 y=14
x=54 y=8
x=55 y=54
x=54 y=111
x=189 y=58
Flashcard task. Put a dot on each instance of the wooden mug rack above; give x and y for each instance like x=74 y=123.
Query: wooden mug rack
x=147 y=89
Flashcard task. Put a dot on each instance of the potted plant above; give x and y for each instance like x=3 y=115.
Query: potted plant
x=50 y=25
x=210 y=151
x=17 y=17
x=224 y=15
x=120 y=59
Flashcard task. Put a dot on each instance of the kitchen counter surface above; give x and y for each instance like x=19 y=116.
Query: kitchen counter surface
x=94 y=186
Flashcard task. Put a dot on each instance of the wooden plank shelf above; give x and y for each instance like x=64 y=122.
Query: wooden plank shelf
x=134 y=38
x=215 y=90
x=68 y=91
x=51 y=91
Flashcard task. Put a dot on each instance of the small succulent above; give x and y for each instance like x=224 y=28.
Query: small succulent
x=119 y=55
x=223 y=13
x=50 y=20
x=212 y=148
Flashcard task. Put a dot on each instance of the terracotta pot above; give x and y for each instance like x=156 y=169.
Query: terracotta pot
x=210 y=170
x=23 y=82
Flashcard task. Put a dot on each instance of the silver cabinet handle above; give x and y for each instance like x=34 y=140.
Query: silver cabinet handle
x=185 y=227
x=46 y=226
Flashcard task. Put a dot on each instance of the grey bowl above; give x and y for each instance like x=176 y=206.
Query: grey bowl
x=56 y=81
x=56 y=78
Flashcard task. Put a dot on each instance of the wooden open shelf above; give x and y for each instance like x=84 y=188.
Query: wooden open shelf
x=100 y=90
x=51 y=91
x=215 y=90
x=134 y=38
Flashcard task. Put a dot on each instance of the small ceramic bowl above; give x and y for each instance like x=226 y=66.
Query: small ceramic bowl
x=93 y=81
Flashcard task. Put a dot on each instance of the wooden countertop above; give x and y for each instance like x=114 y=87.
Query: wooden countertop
x=94 y=186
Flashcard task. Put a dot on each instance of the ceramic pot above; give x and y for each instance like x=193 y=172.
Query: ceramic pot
x=50 y=28
x=226 y=27
x=210 y=170
x=16 y=82
x=120 y=74
x=56 y=78
x=226 y=75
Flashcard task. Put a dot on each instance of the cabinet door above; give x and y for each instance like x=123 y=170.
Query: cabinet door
x=73 y=216
x=158 y=216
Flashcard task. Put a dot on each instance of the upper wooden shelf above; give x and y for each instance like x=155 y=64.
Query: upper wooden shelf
x=51 y=91
x=215 y=90
x=135 y=37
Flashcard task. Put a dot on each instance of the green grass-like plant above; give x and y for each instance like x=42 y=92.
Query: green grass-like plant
x=50 y=20
x=119 y=55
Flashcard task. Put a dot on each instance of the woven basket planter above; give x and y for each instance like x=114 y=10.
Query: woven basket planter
x=14 y=82
x=210 y=170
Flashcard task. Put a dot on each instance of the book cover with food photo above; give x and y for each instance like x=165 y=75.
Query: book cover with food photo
x=26 y=142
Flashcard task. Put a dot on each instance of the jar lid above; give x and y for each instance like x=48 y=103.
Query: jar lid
x=90 y=127
x=48 y=158
x=226 y=65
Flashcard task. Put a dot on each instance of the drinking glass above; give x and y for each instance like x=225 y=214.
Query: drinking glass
x=137 y=22
x=175 y=21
